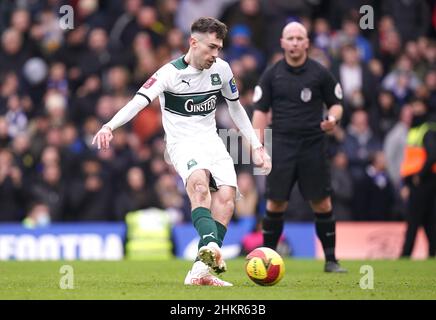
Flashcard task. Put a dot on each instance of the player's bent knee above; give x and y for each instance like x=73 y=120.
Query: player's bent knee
x=200 y=191
x=200 y=188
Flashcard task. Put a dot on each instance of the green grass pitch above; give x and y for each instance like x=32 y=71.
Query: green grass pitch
x=151 y=280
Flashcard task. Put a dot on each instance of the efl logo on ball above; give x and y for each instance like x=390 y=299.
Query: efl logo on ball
x=264 y=266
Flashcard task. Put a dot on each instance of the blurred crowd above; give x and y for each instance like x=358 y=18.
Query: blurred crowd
x=57 y=87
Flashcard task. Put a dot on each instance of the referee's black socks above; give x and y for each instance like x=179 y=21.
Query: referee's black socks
x=272 y=228
x=326 y=230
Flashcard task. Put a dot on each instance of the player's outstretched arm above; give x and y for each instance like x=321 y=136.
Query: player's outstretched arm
x=240 y=118
x=104 y=136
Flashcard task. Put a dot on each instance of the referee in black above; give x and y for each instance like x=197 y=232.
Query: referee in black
x=296 y=89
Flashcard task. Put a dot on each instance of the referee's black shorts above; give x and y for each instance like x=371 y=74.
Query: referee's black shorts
x=299 y=159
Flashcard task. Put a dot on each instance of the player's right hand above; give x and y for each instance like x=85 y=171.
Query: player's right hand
x=103 y=138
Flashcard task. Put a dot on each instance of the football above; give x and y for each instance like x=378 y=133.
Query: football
x=264 y=266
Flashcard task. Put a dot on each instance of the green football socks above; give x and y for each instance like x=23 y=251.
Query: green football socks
x=221 y=229
x=221 y=232
x=205 y=226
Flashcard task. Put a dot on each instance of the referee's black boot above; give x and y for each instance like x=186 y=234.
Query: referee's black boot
x=335 y=267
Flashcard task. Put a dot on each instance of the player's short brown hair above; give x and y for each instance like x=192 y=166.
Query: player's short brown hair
x=210 y=25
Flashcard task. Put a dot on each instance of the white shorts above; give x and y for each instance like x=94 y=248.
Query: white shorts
x=210 y=154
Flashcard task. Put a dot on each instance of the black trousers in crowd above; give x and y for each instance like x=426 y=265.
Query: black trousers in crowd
x=421 y=212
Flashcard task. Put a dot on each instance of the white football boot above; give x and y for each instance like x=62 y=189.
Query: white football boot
x=201 y=276
x=211 y=256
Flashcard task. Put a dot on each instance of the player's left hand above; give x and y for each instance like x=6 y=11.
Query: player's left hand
x=103 y=138
x=328 y=124
x=262 y=159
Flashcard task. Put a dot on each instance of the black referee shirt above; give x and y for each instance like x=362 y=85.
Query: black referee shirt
x=297 y=96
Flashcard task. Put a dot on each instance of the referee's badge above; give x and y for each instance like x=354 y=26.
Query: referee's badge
x=257 y=94
x=338 y=91
x=306 y=94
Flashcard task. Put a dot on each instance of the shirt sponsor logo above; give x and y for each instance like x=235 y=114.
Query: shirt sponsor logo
x=206 y=105
x=306 y=94
x=233 y=86
x=149 y=83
